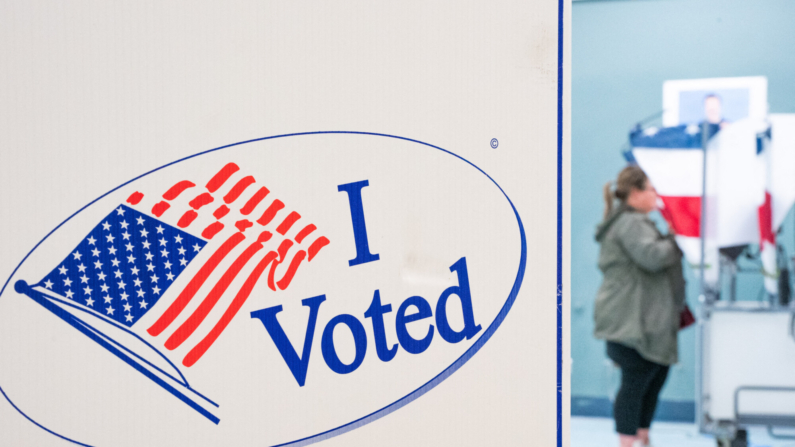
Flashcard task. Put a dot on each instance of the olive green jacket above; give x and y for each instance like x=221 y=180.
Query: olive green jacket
x=643 y=290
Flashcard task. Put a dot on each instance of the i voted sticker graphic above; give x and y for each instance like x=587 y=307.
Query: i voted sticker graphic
x=278 y=291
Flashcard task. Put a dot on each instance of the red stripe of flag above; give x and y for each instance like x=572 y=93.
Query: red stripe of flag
x=684 y=213
x=283 y=249
x=243 y=224
x=221 y=211
x=212 y=230
x=766 y=221
x=187 y=218
x=135 y=198
x=160 y=208
x=222 y=176
x=254 y=201
x=177 y=189
x=201 y=200
x=238 y=189
x=288 y=276
x=287 y=223
x=305 y=232
x=270 y=213
x=321 y=242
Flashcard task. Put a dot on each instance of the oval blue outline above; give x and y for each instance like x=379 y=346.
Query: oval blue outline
x=394 y=406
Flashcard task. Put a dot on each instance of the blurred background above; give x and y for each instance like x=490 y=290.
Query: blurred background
x=623 y=51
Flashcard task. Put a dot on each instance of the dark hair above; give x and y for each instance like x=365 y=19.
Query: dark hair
x=713 y=95
x=630 y=177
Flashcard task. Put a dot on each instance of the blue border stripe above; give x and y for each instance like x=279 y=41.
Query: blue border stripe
x=560 y=230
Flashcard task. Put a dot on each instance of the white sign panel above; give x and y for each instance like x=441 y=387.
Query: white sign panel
x=283 y=224
x=715 y=100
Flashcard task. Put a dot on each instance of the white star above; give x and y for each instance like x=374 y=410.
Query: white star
x=170 y=276
x=146 y=245
x=140 y=220
x=159 y=229
x=156 y=290
x=135 y=270
x=67 y=282
x=137 y=282
x=77 y=255
x=105 y=226
x=110 y=238
x=101 y=276
x=104 y=288
x=126 y=236
x=127 y=307
x=97 y=265
x=48 y=284
x=131 y=259
x=154 y=279
x=162 y=241
x=87 y=290
x=178 y=239
x=196 y=248
x=149 y=256
x=84 y=279
x=144 y=304
x=91 y=240
x=106 y=298
x=120 y=211
x=124 y=296
x=112 y=250
x=69 y=294
x=81 y=267
x=129 y=247
x=110 y=310
x=692 y=129
x=128 y=317
x=89 y=302
x=95 y=252
x=183 y=262
x=122 y=284
x=164 y=252
x=117 y=273
x=123 y=224
x=140 y=293
x=181 y=251
x=63 y=270
x=651 y=131
x=150 y=267
x=144 y=232
x=115 y=262
x=168 y=264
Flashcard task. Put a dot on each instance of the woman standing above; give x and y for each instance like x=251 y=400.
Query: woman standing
x=639 y=302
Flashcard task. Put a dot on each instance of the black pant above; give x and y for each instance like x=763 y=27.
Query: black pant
x=641 y=382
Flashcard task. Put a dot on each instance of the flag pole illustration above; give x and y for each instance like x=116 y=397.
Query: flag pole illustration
x=125 y=267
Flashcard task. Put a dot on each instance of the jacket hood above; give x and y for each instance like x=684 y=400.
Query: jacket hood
x=611 y=218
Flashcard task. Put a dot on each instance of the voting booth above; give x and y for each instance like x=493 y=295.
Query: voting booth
x=723 y=168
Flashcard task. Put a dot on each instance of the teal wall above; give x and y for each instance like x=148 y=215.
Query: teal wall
x=622 y=51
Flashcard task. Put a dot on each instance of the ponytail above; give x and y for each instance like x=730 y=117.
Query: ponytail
x=608 y=196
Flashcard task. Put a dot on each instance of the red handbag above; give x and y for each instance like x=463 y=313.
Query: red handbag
x=686 y=318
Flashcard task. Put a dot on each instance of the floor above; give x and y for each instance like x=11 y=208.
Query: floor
x=598 y=432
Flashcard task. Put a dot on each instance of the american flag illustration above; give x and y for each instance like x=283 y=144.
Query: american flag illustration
x=125 y=267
